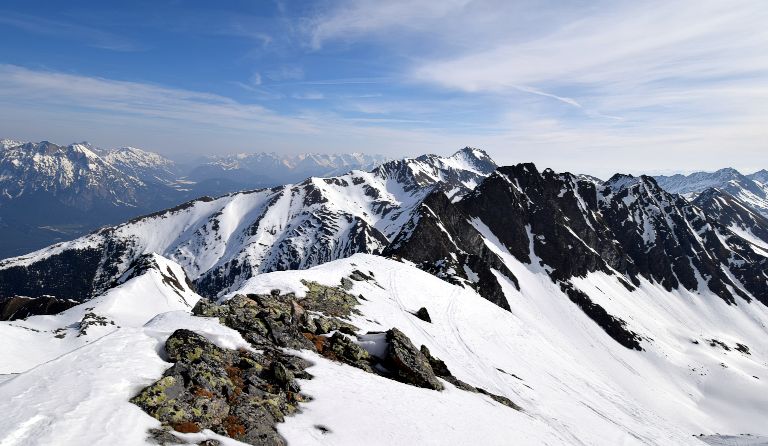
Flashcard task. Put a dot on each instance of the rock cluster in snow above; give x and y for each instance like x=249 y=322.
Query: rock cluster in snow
x=244 y=394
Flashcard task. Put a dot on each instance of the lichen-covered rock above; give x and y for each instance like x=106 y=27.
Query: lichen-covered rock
x=346 y=283
x=340 y=348
x=234 y=393
x=499 y=399
x=265 y=321
x=243 y=394
x=331 y=301
x=407 y=363
x=324 y=325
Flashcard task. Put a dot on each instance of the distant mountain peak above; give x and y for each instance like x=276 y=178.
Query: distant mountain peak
x=8 y=143
x=750 y=189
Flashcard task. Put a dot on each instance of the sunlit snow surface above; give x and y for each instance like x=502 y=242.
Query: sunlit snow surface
x=576 y=385
x=732 y=440
x=295 y=226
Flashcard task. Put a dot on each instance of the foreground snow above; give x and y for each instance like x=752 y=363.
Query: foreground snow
x=576 y=384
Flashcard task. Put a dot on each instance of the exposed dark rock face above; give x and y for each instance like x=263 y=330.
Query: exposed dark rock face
x=729 y=211
x=407 y=363
x=77 y=274
x=571 y=226
x=613 y=326
x=439 y=239
x=20 y=307
x=423 y=314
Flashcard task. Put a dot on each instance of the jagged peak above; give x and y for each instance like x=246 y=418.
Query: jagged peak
x=473 y=152
x=712 y=192
x=621 y=180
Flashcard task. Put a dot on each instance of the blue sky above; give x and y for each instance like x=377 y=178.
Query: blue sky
x=586 y=86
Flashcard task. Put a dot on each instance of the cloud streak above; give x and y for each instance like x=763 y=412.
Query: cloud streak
x=615 y=81
x=91 y=36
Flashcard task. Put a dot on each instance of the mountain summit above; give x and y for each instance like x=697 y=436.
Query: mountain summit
x=466 y=303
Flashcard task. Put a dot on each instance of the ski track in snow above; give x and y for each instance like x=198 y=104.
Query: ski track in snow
x=577 y=386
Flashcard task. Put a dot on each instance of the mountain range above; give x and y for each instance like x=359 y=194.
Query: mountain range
x=431 y=299
x=50 y=193
x=751 y=189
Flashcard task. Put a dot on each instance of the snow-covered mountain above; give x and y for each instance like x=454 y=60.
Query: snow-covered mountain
x=7 y=143
x=148 y=167
x=83 y=187
x=50 y=193
x=223 y=242
x=74 y=174
x=736 y=215
x=467 y=304
x=253 y=170
x=626 y=227
x=750 y=189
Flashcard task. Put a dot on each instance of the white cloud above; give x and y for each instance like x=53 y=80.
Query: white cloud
x=309 y=96
x=39 y=105
x=593 y=87
x=90 y=35
x=596 y=86
x=352 y=18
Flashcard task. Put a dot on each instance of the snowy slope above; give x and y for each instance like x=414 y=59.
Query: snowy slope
x=222 y=242
x=576 y=385
x=68 y=377
x=152 y=286
x=738 y=216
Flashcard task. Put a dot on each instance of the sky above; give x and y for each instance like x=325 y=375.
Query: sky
x=584 y=86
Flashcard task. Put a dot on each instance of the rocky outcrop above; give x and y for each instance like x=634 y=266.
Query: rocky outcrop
x=243 y=394
x=441 y=370
x=407 y=363
x=240 y=394
x=569 y=226
x=440 y=240
x=20 y=307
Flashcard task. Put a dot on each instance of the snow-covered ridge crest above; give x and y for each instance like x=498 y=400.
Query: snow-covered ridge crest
x=6 y=143
x=224 y=241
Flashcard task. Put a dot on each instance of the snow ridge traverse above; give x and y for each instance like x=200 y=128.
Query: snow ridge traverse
x=430 y=300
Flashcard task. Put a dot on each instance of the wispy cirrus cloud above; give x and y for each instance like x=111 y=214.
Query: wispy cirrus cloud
x=40 y=104
x=90 y=35
x=618 y=81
